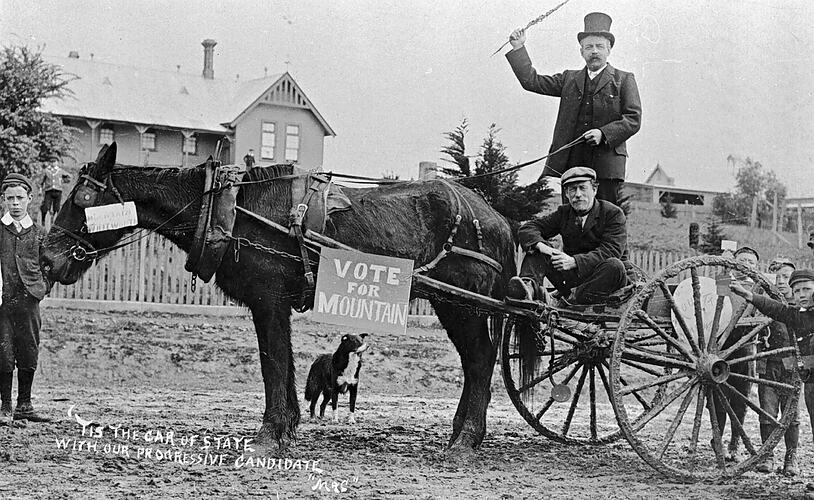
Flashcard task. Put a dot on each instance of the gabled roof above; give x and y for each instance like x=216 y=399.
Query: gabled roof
x=116 y=93
x=657 y=174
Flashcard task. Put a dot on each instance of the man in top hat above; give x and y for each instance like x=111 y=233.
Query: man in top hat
x=599 y=103
x=799 y=319
x=53 y=178
x=594 y=238
x=23 y=287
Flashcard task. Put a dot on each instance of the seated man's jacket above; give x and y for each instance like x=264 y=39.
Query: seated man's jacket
x=603 y=236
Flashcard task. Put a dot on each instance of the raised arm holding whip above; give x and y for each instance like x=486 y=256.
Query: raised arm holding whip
x=598 y=102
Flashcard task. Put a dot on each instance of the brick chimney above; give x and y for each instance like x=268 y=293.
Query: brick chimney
x=73 y=54
x=209 y=51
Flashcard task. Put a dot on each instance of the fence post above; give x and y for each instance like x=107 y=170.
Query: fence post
x=800 y=225
x=142 y=258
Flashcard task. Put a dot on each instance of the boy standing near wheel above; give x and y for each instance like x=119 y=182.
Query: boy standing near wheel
x=799 y=319
x=23 y=286
x=771 y=399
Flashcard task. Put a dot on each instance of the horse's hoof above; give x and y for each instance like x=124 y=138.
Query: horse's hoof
x=460 y=452
x=269 y=439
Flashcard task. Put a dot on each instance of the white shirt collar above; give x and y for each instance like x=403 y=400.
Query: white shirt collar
x=592 y=74
x=25 y=222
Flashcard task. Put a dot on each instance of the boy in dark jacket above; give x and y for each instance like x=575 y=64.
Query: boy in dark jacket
x=24 y=285
x=799 y=319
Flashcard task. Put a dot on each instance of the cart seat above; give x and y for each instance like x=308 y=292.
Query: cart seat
x=617 y=301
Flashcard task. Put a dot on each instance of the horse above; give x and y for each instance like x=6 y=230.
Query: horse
x=407 y=219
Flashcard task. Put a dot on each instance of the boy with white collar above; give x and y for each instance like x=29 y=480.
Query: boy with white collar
x=799 y=319
x=24 y=286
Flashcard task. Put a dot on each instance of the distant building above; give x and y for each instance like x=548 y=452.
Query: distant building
x=659 y=186
x=169 y=118
x=427 y=170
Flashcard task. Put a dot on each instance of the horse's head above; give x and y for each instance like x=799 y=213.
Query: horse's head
x=68 y=248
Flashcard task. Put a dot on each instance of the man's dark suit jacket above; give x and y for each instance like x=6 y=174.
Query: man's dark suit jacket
x=617 y=111
x=603 y=236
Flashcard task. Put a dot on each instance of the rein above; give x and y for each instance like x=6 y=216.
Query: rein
x=360 y=179
x=84 y=250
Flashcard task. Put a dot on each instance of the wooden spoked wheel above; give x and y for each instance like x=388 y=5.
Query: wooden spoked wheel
x=706 y=424
x=581 y=361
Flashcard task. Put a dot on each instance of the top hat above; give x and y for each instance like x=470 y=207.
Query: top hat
x=598 y=24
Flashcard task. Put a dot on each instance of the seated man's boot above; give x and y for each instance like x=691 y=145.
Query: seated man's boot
x=766 y=466
x=525 y=289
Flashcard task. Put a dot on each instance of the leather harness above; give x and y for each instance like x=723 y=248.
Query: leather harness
x=217 y=211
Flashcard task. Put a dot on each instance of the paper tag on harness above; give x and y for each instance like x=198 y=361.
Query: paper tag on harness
x=109 y=217
x=560 y=393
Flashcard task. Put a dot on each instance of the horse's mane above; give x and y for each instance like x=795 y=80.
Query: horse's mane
x=263 y=194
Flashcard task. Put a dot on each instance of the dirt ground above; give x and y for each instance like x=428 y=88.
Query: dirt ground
x=149 y=375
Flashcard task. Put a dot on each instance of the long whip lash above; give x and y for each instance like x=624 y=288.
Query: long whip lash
x=532 y=23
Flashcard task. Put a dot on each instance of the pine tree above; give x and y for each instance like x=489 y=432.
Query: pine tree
x=456 y=150
x=516 y=203
x=711 y=238
x=668 y=210
x=28 y=136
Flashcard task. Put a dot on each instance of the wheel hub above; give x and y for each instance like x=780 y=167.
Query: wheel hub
x=713 y=369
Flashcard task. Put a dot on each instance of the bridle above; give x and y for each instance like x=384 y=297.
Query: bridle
x=84 y=195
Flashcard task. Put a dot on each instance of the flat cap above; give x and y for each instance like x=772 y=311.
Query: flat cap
x=578 y=174
x=779 y=262
x=745 y=249
x=15 y=179
x=801 y=275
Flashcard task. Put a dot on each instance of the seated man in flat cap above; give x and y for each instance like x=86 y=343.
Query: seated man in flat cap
x=594 y=237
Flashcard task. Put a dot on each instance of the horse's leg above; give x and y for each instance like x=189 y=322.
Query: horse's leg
x=470 y=334
x=282 y=414
x=456 y=335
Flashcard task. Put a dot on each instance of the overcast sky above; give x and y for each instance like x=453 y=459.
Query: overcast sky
x=716 y=77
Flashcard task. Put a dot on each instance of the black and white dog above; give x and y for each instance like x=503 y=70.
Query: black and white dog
x=337 y=373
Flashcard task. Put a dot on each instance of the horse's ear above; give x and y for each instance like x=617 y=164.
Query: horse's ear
x=106 y=159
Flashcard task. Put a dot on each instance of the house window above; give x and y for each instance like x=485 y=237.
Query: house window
x=267 y=141
x=190 y=145
x=292 y=142
x=148 y=141
x=106 y=136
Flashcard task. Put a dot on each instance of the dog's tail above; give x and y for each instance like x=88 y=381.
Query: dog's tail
x=312 y=388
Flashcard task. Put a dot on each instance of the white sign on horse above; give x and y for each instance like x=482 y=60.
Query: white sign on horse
x=686 y=305
x=363 y=290
x=109 y=217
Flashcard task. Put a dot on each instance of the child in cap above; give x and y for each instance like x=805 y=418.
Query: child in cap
x=23 y=286
x=799 y=319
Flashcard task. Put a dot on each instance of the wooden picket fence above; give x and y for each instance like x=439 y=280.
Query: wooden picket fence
x=152 y=271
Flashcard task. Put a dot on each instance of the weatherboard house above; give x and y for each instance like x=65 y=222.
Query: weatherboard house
x=169 y=118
